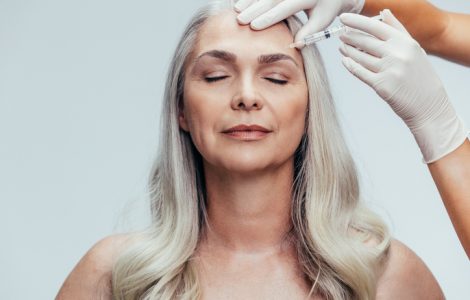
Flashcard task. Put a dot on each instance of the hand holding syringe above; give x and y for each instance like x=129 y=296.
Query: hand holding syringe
x=325 y=34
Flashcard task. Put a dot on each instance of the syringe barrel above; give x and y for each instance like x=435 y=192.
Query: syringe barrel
x=327 y=33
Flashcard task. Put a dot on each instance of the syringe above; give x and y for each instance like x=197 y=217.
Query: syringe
x=325 y=34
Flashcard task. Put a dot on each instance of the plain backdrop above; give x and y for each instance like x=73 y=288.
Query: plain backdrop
x=81 y=84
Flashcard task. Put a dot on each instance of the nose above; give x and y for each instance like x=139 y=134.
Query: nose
x=247 y=96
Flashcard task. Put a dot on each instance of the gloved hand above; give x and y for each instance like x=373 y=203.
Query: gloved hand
x=261 y=14
x=397 y=68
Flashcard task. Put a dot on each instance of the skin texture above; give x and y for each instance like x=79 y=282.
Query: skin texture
x=451 y=175
x=246 y=253
x=440 y=33
x=91 y=277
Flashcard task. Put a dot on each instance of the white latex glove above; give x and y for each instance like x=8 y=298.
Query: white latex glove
x=397 y=68
x=261 y=14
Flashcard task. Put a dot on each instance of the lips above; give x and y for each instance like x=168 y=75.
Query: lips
x=243 y=127
x=247 y=132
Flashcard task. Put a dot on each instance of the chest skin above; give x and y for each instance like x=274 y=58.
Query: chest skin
x=237 y=277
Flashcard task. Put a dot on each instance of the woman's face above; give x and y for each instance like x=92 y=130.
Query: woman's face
x=237 y=76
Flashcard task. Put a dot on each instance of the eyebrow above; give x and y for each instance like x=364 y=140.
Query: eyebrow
x=232 y=58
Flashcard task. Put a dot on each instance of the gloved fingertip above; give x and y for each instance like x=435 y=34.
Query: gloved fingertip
x=238 y=7
x=299 y=37
x=342 y=49
x=258 y=24
x=341 y=36
x=346 y=62
x=298 y=45
x=385 y=15
x=344 y=16
x=241 y=20
x=387 y=11
x=390 y=19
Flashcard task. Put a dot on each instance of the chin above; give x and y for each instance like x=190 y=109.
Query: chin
x=249 y=164
x=247 y=159
x=246 y=167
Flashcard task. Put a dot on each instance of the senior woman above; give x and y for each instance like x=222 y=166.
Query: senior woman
x=254 y=192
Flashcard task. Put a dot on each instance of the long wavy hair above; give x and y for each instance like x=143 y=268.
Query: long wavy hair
x=332 y=229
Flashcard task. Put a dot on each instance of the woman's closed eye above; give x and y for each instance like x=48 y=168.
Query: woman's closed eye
x=215 y=78
x=276 y=81
x=218 y=78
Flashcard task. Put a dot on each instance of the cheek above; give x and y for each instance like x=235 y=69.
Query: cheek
x=290 y=115
x=201 y=110
x=291 y=108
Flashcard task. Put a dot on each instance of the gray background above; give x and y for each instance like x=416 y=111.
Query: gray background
x=80 y=87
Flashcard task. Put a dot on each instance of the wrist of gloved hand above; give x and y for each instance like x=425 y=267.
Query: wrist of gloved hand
x=440 y=135
x=436 y=127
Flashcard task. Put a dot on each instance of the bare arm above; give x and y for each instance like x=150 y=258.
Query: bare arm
x=91 y=277
x=440 y=33
x=405 y=276
x=452 y=177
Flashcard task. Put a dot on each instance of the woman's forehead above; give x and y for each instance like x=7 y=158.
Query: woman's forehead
x=222 y=31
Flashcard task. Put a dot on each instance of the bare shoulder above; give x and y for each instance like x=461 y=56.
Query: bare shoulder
x=91 y=277
x=405 y=276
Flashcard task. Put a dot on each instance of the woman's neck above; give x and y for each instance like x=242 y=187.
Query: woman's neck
x=249 y=213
